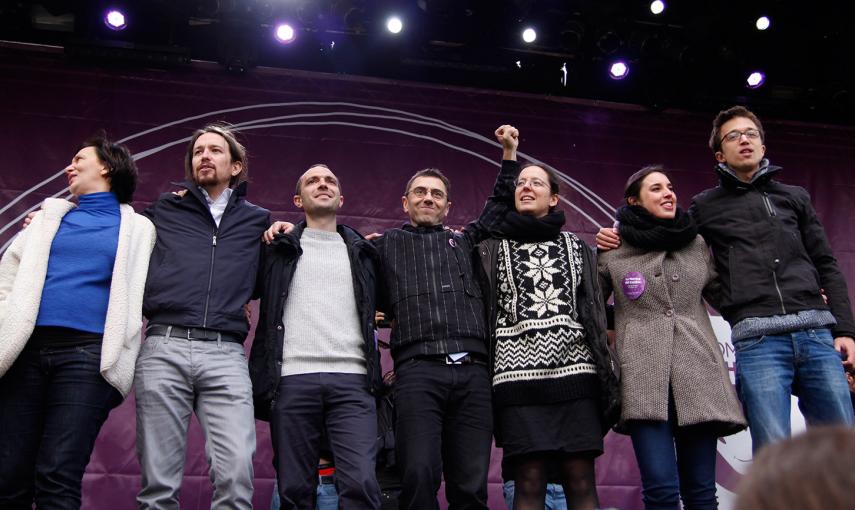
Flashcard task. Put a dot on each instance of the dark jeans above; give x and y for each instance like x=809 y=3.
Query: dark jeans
x=675 y=462
x=341 y=404
x=444 y=426
x=53 y=402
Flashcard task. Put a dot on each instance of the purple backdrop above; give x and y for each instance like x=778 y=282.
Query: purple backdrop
x=374 y=134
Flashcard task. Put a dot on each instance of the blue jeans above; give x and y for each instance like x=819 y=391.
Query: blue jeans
x=803 y=363
x=675 y=462
x=327 y=497
x=53 y=402
x=555 y=499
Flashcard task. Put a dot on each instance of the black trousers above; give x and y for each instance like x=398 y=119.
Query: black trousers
x=443 y=427
x=53 y=401
x=341 y=404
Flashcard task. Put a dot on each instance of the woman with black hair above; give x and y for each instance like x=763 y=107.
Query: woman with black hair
x=677 y=395
x=555 y=394
x=71 y=288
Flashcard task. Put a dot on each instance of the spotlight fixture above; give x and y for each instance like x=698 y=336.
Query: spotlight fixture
x=755 y=80
x=657 y=6
x=763 y=23
x=529 y=35
x=285 y=33
x=618 y=70
x=394 y=24
x=115 y=20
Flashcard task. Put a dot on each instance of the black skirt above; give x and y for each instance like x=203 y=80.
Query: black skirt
x=563 y=427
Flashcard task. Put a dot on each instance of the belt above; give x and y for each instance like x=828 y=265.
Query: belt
x=445 y=358
x=191 y=333
x=326 y=475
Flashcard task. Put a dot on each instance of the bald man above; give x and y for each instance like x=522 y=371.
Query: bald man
x=314 y=363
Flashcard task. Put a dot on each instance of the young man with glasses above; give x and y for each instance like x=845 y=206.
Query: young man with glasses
x=774 y=262
x=439 y=339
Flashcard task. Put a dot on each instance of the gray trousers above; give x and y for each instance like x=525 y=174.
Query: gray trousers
x=174 y=378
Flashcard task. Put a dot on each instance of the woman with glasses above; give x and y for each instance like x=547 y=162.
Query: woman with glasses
x=71 y=288
x=554 y=392
x=677 y=395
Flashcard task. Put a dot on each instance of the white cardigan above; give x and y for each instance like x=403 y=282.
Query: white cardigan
x=22 y=277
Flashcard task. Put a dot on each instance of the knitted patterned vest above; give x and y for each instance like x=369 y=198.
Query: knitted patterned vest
x=541 y=355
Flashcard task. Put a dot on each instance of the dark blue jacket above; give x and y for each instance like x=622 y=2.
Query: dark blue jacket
x=201 y=275
x=280 y=263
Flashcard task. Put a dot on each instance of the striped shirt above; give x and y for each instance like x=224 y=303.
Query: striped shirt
x=430 y=286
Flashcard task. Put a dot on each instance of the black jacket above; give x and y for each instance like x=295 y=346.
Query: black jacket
x=201 y=275
x=770 y=250
x=280 y=263
x=592 y=315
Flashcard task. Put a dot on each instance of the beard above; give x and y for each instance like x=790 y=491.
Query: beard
x=209 y=178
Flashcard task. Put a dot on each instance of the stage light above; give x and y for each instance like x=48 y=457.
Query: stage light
x=115 y=20
x=285 y=33
x=394 y=24
x=618 y=70
x=755 y=79
x=657 y=7
x=529 y=35
x=763 y=23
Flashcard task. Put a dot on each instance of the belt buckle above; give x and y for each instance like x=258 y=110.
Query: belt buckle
x=449 y=361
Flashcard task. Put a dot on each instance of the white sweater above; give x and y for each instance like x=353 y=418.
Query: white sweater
x=22 y=277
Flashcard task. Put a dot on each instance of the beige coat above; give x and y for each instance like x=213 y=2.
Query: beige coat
x=22 y=277
x=665 y=339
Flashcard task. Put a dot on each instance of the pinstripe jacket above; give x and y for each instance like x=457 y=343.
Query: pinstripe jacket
x=430 y=288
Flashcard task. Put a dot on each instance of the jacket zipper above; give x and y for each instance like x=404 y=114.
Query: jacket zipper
x=780 y=297
x=210 y=278
x=771 y=210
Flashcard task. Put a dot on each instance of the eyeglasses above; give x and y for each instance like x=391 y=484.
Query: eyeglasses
x=750 y=133
x=421 y=192
x=533 y=183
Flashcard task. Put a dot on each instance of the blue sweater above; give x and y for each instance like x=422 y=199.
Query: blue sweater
x=80 y=267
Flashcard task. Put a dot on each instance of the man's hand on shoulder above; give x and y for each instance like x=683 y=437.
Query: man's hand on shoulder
x=845 y=345
x=608 y=239
x=509 y=137
x=278 y=227
x=28 y=220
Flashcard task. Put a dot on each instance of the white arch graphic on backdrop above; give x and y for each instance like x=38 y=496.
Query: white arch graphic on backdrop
x=598 y=202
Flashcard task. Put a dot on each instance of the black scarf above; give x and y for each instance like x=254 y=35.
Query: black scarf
x=525 y=228
x=640 y=228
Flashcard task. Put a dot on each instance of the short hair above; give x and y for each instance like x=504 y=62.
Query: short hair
x=121 y=168
x=811 y=471
x=299 y=187
x=430 y=172
x=726 y=115
x=236 y=150
x=632 y=189
x=551 y=176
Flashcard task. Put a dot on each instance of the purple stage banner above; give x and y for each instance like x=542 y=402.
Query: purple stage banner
x=374 y=134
